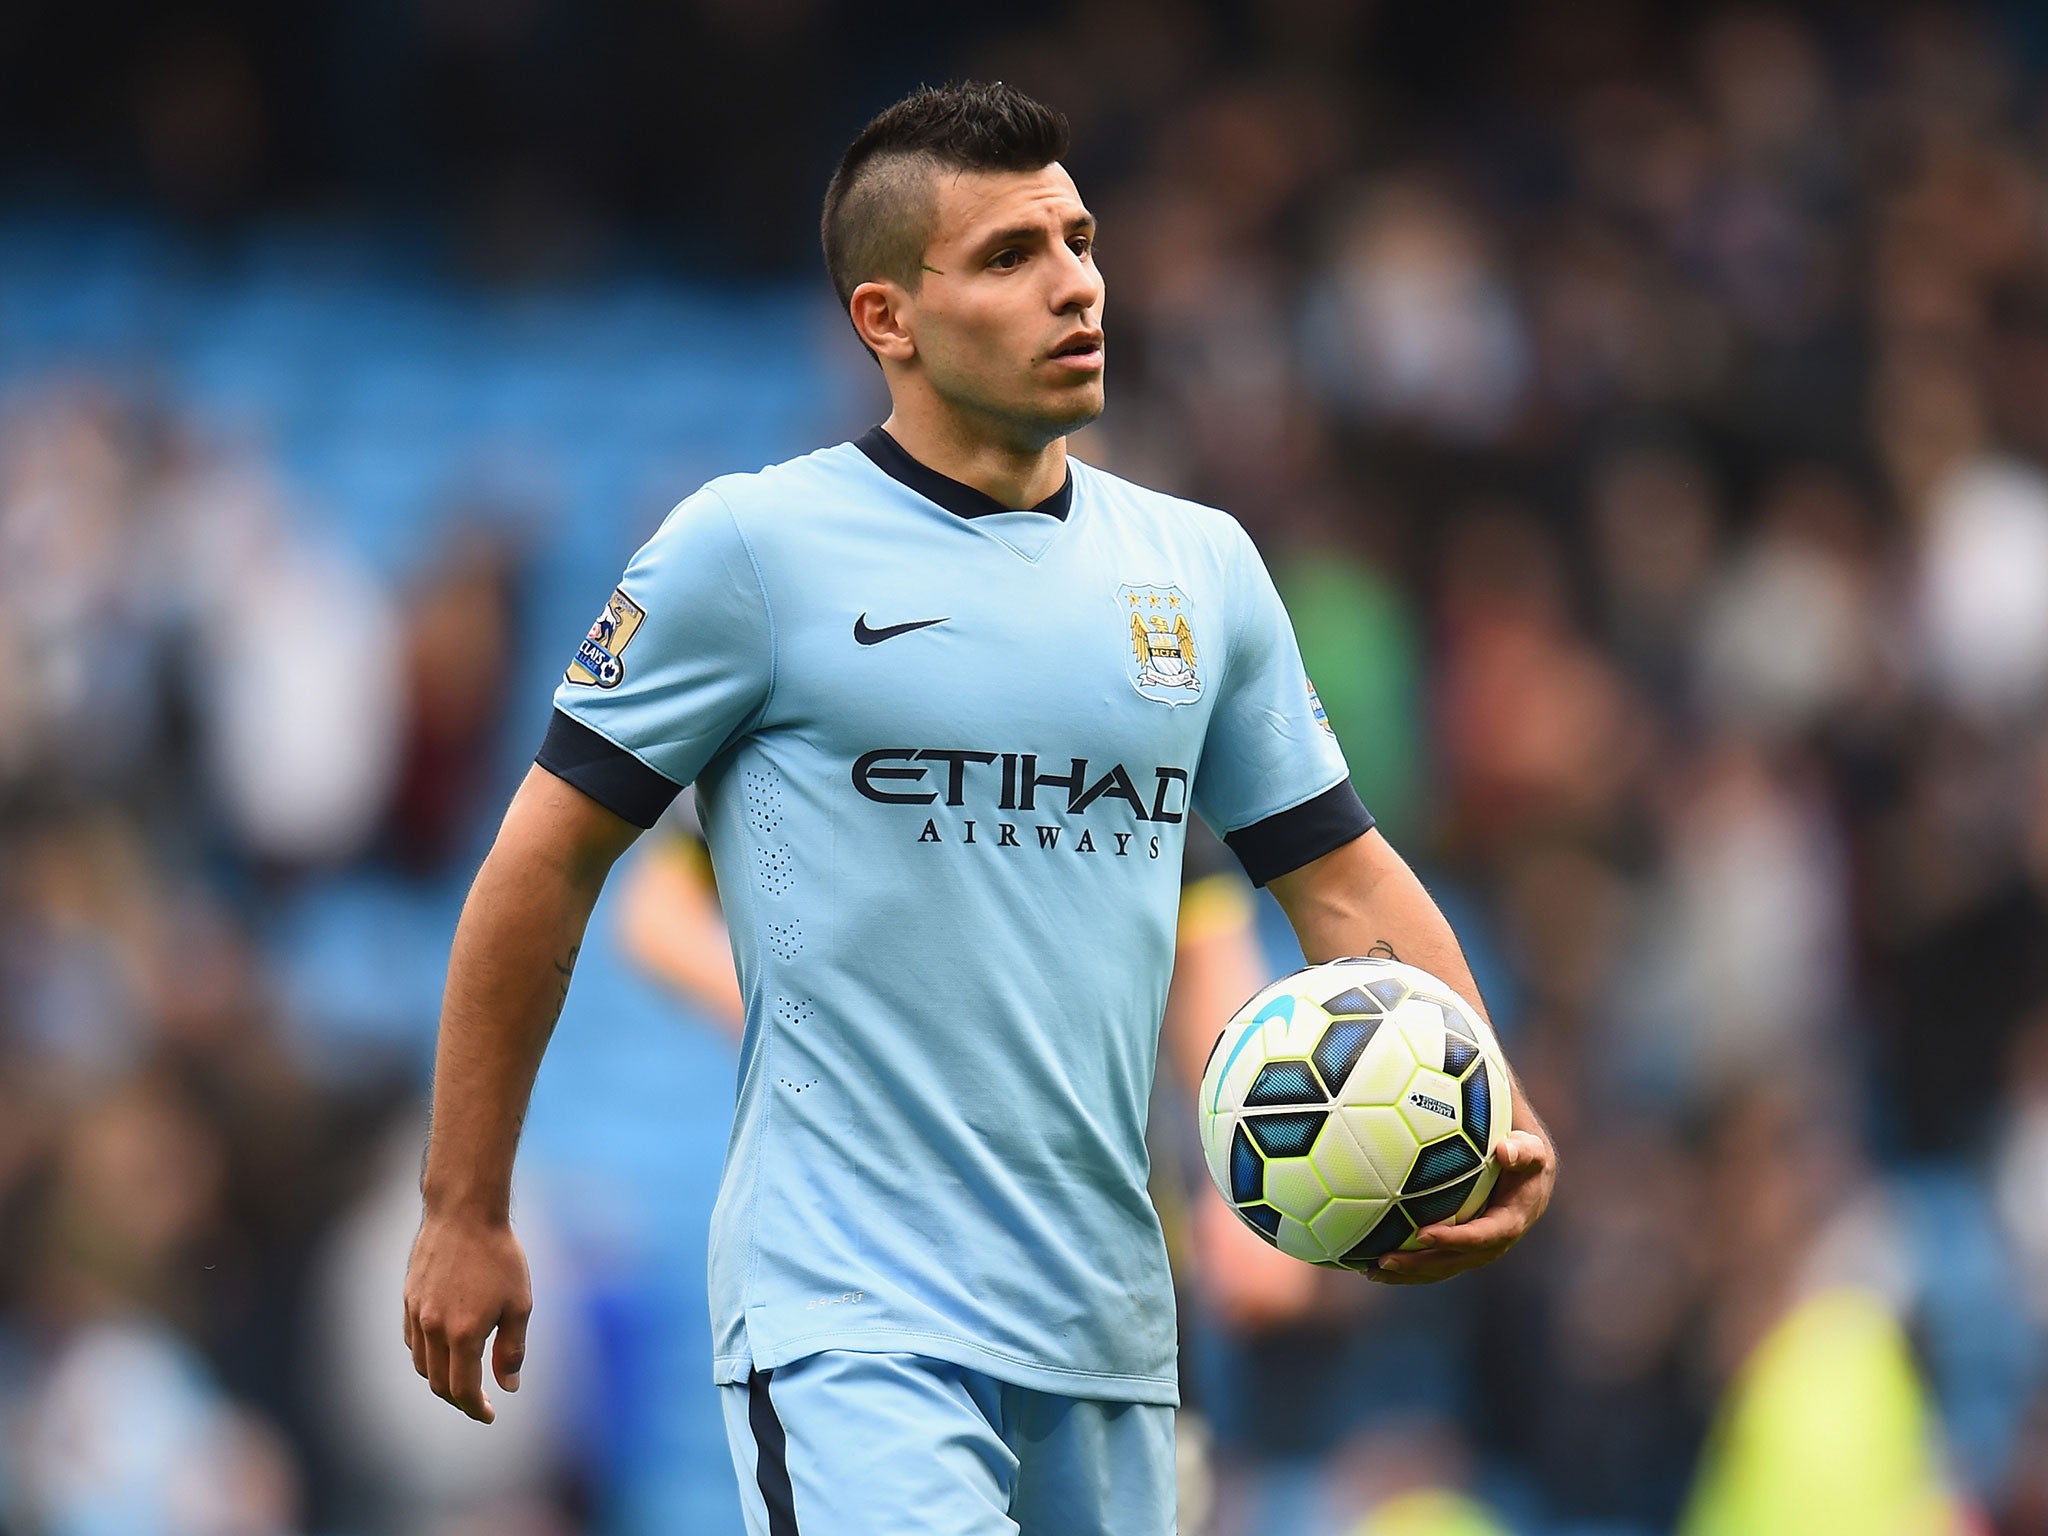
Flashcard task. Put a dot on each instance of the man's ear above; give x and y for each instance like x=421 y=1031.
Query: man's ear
x=878 y=312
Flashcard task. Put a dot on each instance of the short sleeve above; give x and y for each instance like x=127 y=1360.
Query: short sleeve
x=1272 y=779
x=678 y=664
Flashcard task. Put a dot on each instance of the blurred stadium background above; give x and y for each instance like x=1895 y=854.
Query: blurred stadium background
x=1644 y=408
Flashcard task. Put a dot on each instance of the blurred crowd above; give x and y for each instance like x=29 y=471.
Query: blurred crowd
x=1645 y=413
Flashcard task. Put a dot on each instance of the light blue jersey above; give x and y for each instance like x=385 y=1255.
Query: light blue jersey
x=945 y=754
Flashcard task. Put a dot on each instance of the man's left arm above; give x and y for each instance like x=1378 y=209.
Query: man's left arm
x=1362 y=899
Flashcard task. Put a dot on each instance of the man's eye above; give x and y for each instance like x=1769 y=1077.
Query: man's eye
x=1081 y=245
x=1007 y=259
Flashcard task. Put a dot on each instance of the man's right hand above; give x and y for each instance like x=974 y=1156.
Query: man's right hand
x=467 y=1278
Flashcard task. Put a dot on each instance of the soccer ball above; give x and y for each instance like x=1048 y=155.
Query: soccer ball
x=1349 y=1104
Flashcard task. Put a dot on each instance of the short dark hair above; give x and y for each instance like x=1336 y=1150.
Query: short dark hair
x=878 y=209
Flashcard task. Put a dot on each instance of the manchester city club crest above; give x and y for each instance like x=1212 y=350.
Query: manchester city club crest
x=1164 y=663
x=600 y=658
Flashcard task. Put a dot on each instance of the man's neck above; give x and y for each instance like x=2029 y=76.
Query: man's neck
x=1016 y=477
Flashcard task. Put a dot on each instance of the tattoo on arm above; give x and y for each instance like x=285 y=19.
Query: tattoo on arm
x=565 y=969
x=1381 y=950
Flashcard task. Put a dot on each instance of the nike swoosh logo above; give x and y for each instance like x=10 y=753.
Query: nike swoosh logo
x=867 y=636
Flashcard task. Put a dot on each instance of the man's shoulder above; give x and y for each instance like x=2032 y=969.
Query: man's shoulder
x=775 y=487
x=1164 y=508
x=755 y=507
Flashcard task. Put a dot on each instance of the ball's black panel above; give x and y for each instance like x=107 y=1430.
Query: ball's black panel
x=1283 y=1082
x=1450 y=1158
x=1389 y=991
x=1247 y=1169
x=1455 y=1023
x=1287 y=1135
x=1339 y=1049
x=1388 y=1233
x=1265 y=1218
x=1352 y=1001
x=1213 y=1048
x=1458 y=1054
x=1478 y=1096
x=1439 y=1204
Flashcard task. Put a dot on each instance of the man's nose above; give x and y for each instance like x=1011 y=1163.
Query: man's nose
x=1080 y=285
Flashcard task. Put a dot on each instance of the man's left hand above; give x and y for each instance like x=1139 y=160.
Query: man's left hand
x=1528 y=1169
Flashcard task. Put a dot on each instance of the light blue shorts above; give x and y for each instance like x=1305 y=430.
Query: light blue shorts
x=848 y=1444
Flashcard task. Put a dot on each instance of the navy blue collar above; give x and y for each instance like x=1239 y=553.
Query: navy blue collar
x=960 y=499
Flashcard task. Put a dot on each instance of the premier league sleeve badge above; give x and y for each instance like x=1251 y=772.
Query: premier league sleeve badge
x=600 y=658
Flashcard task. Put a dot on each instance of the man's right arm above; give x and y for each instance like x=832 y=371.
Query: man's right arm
x=508 y=976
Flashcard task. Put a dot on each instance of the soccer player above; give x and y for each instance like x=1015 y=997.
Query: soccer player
x=948 y=697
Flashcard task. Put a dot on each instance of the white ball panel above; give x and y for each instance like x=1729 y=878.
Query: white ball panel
x=1297 y=1036
x=1235 y=1064
x=1382 y=1072
x=1347 y=1169
x=1216 y=1131
x=1422 y=1025
x=1385 y=1138
x=1298 y=1242
x=1294 y=1188
x=1344 y=1223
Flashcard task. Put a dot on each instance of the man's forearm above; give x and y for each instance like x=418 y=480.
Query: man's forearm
x=1363 y=899
x=508 y=977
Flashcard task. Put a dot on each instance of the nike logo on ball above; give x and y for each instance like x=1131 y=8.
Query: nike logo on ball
x=867 y=636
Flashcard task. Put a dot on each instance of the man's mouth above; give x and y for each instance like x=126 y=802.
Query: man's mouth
x=1084 y=348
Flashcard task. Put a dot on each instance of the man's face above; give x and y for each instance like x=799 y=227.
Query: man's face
x=1008 y=318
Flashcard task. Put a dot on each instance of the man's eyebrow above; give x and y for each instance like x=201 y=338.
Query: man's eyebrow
x=1023 y=234
x=1020 y=234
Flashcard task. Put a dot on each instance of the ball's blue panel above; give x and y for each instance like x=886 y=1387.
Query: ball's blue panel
x=1478 y=1096
x=1389 y=991
x=1283 y=1082
x=1265 y=1218
x=1353 y=1000
x=1450 y=1158
x=1339 y=1049
x=1287 y=1135
x=1247 y=1169
x=1425 y=1210
x=1388 y=1233
x=1458 y=1054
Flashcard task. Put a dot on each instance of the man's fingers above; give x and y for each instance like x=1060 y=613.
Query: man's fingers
x=437 y=1361
x=509 y=1353
x=1500 y=1224
x=1520 y=1151
x=416 y=1341
x=1427 y=1264
x=466 y=1378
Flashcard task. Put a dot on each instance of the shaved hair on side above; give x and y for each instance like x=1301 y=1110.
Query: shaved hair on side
x=880 y=204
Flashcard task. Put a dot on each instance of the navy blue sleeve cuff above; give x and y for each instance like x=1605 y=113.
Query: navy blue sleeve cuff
x=1301 y=834
x=610 y=775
